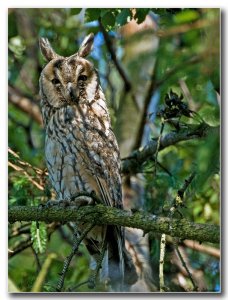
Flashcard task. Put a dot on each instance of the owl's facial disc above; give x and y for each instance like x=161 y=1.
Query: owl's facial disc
x=71 y=80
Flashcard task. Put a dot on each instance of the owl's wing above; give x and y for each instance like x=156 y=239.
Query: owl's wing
x=105 y=194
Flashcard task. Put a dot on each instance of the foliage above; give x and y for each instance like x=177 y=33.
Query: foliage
x=177 y=49
x=39 y=236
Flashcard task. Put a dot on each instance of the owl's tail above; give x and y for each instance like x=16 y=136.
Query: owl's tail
x=121 y=270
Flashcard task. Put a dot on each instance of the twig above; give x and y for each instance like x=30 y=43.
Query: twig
x=185 y=28
x=19 y=169
x=25 y=104
x=151 y=89
x=161 y=263
x=37 y=260
x=25 y=163
x=178 y=200
x=18 y=231
x=202 y=248
x=190 y=61
x=175 y=243
x=25 y=168
x=69 y=258
x=158 y=146
x=21 y=247
x=114 y=58
x=134 y=163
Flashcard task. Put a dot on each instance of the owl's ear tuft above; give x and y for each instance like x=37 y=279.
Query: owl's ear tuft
x=86 y=45
x=47 y=50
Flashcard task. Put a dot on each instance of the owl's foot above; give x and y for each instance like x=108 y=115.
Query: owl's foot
x=51 y=203
x=84 y=199
x=81 y=201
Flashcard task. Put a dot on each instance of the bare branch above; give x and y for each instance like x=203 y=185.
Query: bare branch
x=25 y=104
x=133 y=163
x=203 y=248
x=186 y=27
x=114 y=58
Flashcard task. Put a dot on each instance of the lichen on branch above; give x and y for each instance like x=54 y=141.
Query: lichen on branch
x=101 y=215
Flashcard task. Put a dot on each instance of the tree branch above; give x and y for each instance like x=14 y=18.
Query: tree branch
x=133 y=163
x=25 y=104
x=101 y=215
x=119 y=68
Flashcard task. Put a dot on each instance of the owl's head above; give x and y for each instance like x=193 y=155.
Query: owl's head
x=68 y=80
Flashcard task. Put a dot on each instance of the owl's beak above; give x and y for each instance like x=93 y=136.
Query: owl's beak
x=72 y=92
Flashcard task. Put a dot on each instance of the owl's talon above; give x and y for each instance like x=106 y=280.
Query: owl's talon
x=64 y=203
x=41 y=206
x=49 y=204
x=81 y=201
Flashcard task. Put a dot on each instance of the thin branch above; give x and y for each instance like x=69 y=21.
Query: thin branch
x=178 y=200
x=103 y=215
x=32 y=173
x=133 y=163
x=175 y=243
x=190 y=61
x=202 y=248
x=19 y=169
x=186 y=27
x=119 y=68
x=21 y=247
x=68 y=259
x=151 y=89
x=25 y=104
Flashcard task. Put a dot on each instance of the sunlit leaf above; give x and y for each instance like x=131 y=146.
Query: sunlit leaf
x=123 y=17
x=39 y=236
x=187 y=15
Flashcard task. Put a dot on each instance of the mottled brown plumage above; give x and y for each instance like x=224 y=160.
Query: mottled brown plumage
x=81 y=151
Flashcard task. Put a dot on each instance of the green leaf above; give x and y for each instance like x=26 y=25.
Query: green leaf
x=104 y=11
x=39 y=236
x=92 y=14
x=141 y=14
x=123 y=17
x=210 y=115
x=186 y=16
x=75 y=11
x=108 y=21
x=17 y=46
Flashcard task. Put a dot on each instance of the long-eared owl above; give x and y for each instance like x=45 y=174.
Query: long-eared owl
x=81 y=150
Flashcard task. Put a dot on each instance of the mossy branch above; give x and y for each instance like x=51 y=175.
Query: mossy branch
x=101 y=215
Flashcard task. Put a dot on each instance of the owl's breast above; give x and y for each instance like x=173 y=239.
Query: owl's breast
x=67 y=163
x=80 y=148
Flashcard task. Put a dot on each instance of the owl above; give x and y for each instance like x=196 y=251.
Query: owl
x=81 y=150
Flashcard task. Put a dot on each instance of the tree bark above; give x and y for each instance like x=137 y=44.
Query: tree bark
x=101 y=215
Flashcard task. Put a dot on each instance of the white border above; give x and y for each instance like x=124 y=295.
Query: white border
x=4 y=5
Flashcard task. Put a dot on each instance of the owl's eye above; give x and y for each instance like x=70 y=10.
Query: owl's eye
x=82 y=77
x=55 y=81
